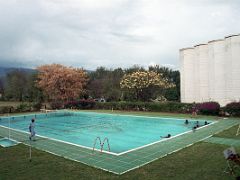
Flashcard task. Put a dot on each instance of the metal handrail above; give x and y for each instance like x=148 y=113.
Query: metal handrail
x=101 y=143
x=105 y=139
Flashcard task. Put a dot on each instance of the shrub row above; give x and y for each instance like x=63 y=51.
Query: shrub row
x=206 y=108
x=146 y=106
x=131 y=106
x=24 y=107
x=81 y=104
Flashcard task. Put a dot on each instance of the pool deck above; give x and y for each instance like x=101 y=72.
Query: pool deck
x=125 y=162
x=224 y=141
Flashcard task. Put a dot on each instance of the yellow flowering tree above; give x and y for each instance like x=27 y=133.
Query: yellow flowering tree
x=141 y=82
x=59 y=82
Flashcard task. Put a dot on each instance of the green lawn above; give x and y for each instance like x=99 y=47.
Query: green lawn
x=229 y=133
x=200 y=161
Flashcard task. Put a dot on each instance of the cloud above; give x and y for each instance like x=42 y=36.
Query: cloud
x=119 y=33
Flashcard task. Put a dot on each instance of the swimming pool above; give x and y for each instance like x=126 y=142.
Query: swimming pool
x=124 y=132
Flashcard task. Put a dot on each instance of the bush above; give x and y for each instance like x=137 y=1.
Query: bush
x=174 y=107
x=56 y=105
x=81 y=104
x=5 y=109
x=36 y=106
x=208 y=108
x=86 y=103
x=24 y=107
x=233 y=108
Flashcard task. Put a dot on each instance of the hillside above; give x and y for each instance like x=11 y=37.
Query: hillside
x=5 y=70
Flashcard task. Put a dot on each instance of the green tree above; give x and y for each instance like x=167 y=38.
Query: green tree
x=1 y=86
x=105 y=83
x=16 y=85
x=172 y=94
x=144 y=83
x=35 y=94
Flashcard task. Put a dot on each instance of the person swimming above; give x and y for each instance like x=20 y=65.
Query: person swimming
x=168 y=136
x=197 y=124
x=186 y=121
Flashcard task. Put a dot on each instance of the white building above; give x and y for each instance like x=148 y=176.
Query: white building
x=211 y=72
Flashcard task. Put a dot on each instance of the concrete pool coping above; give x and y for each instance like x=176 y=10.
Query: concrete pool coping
x=125 y=162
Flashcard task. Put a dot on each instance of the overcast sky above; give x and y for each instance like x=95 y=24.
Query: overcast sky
x=110 y=33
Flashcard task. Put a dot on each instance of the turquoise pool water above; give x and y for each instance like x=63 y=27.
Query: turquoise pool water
x=5 y=142
x=124 y=132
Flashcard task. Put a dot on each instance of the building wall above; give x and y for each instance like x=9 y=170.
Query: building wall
x=187 y=73
x=203 y=69
x=211 y=72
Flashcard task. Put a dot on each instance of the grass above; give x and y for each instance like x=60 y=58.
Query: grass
x=199 y=161
x=229 y=133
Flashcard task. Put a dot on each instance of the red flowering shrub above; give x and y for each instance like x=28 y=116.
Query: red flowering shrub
x=208 y=108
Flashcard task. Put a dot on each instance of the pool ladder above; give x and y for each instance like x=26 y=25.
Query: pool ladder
x=101 y=143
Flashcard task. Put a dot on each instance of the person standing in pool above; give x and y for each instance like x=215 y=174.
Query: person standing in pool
x=32 y=129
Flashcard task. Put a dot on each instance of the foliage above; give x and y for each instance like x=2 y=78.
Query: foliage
x=36 y=106
x=172 y=94
x=24 y=107
x=233 y=108
x=208 y=108
x=35 y=94
x=5 y=109
x=16 y=85
x=56 y=104
x=143 y=82
x=81 y=104
x=133 y=69
x=20 y=86
x=173 y=107
x=1 y=86
x=61 y=83
x=105 y=83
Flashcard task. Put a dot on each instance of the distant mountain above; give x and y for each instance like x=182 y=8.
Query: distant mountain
x=5 y=70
